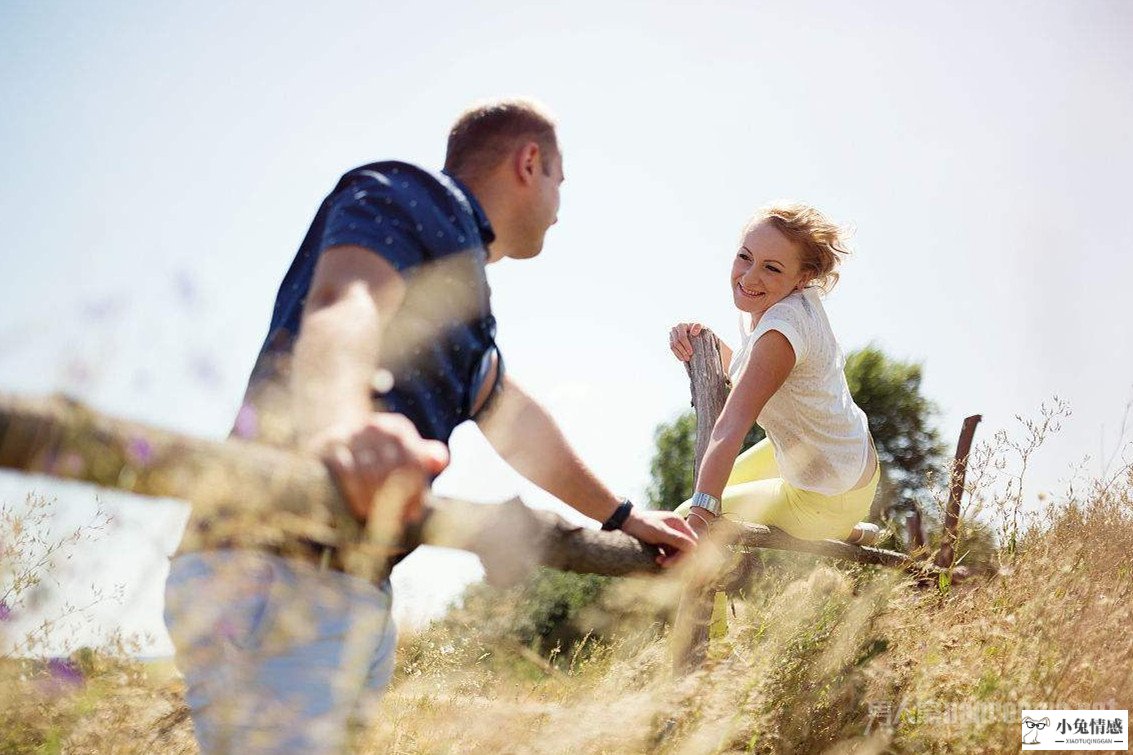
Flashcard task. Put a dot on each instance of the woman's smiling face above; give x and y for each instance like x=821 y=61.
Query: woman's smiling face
x=767 y=268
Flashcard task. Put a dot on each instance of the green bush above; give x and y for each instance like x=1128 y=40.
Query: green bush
x=543 y=613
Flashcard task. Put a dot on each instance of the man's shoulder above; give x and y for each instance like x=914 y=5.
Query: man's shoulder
x=409 y=185
x=394 y=172
x=390 y=203
x=394 y=177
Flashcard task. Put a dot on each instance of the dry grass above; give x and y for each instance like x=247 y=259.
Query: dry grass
x=818 y=658
x=118 y=708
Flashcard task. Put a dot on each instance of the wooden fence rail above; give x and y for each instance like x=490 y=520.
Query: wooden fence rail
x=261 y=494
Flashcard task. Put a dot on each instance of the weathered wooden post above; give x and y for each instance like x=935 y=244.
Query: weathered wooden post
x=709 y=388
x=709 y=391
x=946 y=556
x=914 y=526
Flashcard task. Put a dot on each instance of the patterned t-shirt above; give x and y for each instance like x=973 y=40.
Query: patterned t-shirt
x=437 y=348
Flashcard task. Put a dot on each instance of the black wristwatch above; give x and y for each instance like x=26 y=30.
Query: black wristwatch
x=618 y=518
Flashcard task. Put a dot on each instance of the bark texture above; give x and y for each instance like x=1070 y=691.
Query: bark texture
x=694 y=611
x=253 y=495
x=709 y=386
x=946 y=556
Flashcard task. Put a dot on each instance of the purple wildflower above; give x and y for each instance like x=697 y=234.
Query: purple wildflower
x=247 y=422
x=5 y=611
x=139 y=451
x=65 y=672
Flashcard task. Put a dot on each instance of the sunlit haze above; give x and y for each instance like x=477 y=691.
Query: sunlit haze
x=162 y=163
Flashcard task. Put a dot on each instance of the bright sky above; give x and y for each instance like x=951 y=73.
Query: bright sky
x=162 y=162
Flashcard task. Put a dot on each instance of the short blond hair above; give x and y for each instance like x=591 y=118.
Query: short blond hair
x=487 y=133
x=821 y=241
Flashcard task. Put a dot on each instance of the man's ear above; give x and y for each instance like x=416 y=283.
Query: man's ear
x=528 y=162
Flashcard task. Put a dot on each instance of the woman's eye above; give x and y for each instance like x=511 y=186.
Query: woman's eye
x=772 y=268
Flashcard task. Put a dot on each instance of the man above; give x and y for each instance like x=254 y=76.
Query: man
x=389 y=282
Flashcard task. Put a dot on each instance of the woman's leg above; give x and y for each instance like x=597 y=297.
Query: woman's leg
x=756 y=463
x=857 y=504
x=762 y=502
x=801 y=513
x=756 y=494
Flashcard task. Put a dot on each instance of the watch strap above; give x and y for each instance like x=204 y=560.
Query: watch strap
x=709 y=503
x=619 y=517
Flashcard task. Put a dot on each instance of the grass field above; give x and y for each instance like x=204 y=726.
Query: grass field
x=816 y=657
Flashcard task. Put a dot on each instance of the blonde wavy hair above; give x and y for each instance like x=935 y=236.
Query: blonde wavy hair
x=821 y=241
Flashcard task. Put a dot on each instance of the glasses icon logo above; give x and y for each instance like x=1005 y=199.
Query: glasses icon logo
x=1031 y=729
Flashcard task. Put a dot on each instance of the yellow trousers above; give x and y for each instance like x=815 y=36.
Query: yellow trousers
x=756 y=493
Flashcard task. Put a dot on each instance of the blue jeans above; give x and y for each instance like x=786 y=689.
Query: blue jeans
x=278 y=656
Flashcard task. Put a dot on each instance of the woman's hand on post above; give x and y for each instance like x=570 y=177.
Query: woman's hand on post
x=680 y=336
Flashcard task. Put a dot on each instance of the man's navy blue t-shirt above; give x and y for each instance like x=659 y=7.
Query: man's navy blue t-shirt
x=432 y=230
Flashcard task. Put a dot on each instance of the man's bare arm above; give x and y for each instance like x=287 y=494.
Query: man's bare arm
x=528 y=438
x=523 y=432
x=354 y=292
x=353 y=295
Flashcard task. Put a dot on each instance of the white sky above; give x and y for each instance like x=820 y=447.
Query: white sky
x=161 y=163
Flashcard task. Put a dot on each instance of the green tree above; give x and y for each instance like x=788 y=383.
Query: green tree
x=908 y=445
x=670 y=470
x=887 y=390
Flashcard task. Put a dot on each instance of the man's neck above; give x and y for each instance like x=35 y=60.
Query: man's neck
x=495 y=207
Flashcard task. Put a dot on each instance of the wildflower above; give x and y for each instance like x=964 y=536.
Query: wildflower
x=64 y=673
x=246 y=422
x=139 y=451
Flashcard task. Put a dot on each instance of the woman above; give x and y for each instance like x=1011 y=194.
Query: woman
x=816 y=473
